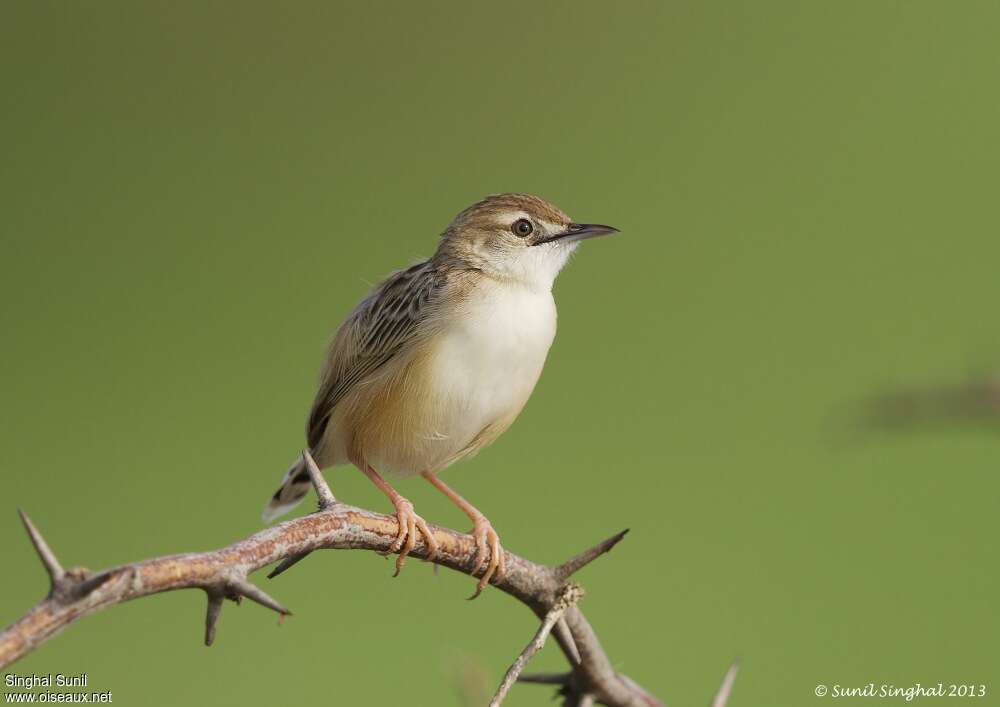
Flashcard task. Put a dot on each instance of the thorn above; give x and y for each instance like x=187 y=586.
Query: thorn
x=248 y=590
x=574 y=564
x=215 y=600
x=90 y=584
x=323 y=491
x=48 y=558
x=286 y=564
x=727 y=685
x=546 y=678
x=566 y=637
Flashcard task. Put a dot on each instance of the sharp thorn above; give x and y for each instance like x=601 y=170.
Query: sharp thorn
x=323 y=492
x=566 y=637
x=45 y=554
x=546 y=678
x=575 y=564
x=286 y=564
x=250 y=591
x=215 y=600
x=90 y=584
x=722 y=696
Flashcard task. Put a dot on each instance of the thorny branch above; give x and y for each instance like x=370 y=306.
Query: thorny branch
x=222 y=574
x=570 y=595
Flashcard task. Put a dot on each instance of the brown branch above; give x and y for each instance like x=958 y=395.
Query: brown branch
x=570 y=595
x=222 y=574
x=574 y=696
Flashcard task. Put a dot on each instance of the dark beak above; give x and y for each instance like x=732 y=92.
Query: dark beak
x=579 y=232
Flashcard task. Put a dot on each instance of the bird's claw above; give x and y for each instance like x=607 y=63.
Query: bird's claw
x=406 y=538
x=490 y=557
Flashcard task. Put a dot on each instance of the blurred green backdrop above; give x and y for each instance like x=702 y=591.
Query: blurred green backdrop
x=195 y=193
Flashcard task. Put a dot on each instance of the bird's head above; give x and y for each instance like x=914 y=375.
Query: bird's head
x=516 y=236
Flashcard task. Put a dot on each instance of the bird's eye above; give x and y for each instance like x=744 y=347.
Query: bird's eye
x=522 y=228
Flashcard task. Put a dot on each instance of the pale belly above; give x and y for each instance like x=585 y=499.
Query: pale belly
x=465 y=388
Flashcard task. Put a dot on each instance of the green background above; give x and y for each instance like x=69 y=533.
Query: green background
x=194 y=194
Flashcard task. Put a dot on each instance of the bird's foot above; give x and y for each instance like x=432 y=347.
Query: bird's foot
x=490 y=558
x=409 y=523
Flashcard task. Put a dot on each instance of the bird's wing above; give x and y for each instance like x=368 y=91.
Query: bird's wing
x=378 y=329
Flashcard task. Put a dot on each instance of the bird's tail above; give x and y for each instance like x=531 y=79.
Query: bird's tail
x=294 y=487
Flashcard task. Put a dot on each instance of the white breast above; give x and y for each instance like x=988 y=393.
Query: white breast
x=488 y=360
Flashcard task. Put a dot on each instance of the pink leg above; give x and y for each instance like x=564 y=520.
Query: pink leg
x=487 y=541
x=409 y=522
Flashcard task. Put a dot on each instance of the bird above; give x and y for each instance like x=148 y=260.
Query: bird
x=439 y=360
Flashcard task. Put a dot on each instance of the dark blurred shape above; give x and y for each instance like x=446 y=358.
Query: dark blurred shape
x=473 y=683
x=974 y=401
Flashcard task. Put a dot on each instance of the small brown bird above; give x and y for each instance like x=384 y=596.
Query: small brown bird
x=440 y=359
